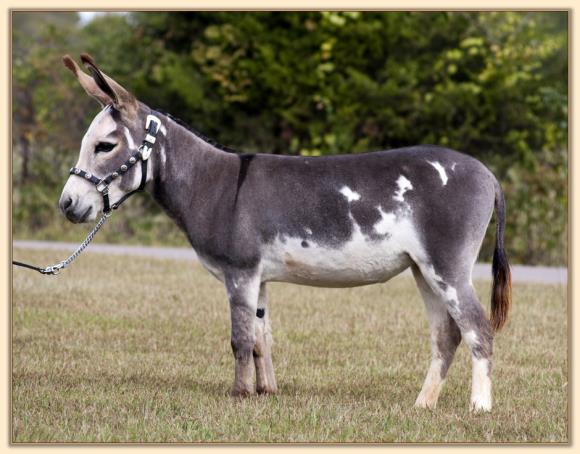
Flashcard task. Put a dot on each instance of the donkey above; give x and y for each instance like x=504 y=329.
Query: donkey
x=335 y=221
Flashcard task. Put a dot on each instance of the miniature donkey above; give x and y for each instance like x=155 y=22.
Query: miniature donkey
x=335 y=221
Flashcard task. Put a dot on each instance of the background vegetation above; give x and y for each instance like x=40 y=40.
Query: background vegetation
x=491 y=84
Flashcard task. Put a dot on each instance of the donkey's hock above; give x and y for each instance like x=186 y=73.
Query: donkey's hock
x=335 y=221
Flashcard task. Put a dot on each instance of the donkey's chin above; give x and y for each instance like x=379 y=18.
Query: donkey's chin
x=81 y=217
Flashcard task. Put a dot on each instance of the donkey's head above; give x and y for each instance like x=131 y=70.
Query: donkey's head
x=113 y=136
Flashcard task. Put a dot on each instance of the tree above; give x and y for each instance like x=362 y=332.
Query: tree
x=490 y=84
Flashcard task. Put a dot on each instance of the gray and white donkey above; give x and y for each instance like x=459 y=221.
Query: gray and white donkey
x=336 y=221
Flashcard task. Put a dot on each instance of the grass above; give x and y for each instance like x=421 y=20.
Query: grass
x=120 y=349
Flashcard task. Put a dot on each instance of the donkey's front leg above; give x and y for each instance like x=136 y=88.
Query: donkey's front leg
x=265 y=379
x=243 y=297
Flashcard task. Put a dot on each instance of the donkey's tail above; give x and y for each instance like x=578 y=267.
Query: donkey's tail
x=501 y=292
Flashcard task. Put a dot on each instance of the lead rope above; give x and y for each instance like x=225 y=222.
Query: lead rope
x=55 y=269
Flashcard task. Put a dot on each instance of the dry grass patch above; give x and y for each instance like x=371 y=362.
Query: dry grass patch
x=120 y=349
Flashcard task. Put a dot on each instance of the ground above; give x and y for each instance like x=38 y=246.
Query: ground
x=125 y=349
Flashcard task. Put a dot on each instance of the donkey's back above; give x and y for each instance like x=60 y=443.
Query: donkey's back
x=359 y=219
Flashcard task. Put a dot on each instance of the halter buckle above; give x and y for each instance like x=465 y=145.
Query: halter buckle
x=102 y=187
x=152 y=119
x=145 y=152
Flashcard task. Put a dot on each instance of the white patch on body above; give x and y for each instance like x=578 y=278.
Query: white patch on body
x=360 y=260
x=404 y=186
x=440 y=170
x=162 y=154
x=434 y=280
x=163 y=129
x=350 y=195
x=129 y=137
x=480 y=386
x=308 y=231
x=451 y=298
x=470 y=338
x=453 y=166
x=387 y=222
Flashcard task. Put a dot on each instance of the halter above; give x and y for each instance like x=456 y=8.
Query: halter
x=144 y=151
x=102 y=184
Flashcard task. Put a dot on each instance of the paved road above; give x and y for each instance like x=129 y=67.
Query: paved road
x=520 y=273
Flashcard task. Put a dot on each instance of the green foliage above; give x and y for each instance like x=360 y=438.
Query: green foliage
x=490 y=84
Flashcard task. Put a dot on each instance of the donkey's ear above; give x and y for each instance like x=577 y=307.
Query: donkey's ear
x=87 y=82
x=122 y=99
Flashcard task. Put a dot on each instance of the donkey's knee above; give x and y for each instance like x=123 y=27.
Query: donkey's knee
x=242 y=348
x=242 y=342
x=475 y=328
x=265 y=380
x=243 y=302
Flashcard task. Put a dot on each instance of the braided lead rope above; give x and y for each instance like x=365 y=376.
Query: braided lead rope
x=55 y=269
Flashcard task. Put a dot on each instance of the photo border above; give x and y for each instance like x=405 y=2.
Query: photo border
x=150 y=5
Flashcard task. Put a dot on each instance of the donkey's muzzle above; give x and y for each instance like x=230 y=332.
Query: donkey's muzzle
x=72 y=211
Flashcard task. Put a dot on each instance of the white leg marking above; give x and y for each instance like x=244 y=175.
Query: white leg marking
x=441 y=170
x=350 y=195
x=432 y=386
x=480 y=386
x=404 y=186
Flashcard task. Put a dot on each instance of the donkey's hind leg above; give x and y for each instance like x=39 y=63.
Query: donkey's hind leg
x=464 y=307
x=445 y=337
x=265 y=379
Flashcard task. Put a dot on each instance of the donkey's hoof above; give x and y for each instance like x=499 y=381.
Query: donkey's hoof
x=267 y=390
x=236 y=392
x=480 y=406
x=423 y=402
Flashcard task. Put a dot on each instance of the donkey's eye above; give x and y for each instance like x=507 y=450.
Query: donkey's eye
x=103 y=147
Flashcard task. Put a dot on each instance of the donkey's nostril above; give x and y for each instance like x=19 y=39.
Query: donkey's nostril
x=66 y=203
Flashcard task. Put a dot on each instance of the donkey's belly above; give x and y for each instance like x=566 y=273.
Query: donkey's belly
x=350 y=265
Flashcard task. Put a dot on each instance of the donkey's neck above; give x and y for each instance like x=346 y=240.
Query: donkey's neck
x=194 y=181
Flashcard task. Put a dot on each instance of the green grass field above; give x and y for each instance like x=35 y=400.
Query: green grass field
x=120 y=349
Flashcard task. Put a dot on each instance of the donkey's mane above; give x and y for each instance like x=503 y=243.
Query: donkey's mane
x=199 y=134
